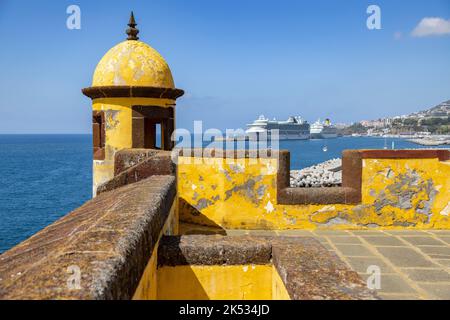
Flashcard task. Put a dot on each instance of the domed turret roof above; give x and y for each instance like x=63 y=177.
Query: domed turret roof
x=133 y=63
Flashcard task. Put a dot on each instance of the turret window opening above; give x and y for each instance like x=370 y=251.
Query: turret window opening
x=98 y=135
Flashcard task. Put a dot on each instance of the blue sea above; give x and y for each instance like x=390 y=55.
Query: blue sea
x=43 y=177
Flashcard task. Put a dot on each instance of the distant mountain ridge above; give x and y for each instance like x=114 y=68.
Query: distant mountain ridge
x=435 y=120
x=442 y=110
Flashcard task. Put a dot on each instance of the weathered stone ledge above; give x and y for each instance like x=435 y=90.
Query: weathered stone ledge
x=213 y=250
x=307 y=269
x=110 y=239
x=311 y=272
x=131 y=166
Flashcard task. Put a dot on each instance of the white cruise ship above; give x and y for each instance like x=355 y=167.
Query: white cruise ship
x=323 y=130
x=295 y=128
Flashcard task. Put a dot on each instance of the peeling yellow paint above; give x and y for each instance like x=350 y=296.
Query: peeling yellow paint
x=415 y=192
x=396 y=193
x=133 y=63
x=446 y=211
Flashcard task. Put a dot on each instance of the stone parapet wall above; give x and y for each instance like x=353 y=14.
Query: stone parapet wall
x=107 y=242
x=133 y=165
x=306 y=269
x=127 y=158
x=380 y=189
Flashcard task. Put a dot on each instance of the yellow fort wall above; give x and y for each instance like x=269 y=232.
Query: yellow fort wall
x=237 y=282
x=279 y=291
x=242 y=194
x=147 y=288
x=242 y=282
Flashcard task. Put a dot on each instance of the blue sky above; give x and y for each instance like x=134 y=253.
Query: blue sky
x=235 y=59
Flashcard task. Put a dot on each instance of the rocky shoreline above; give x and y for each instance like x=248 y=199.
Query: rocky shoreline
x=326 y=174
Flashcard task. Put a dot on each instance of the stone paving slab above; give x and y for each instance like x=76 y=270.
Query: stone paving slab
x=365 y=232
x=344 y=239
x=387 y=296
x=405 y=257
x=405 y=232
x=361 y=264
x=329 y=232
x=444 y=262
x=293 y=233
x=439 y=232
x=436 y=252
x=440 y=291
x=394 y=283
x=422 y=241
x=383 y=241
x=414 y=264
x=427 y=275
x=446 y=239
x=354 y=250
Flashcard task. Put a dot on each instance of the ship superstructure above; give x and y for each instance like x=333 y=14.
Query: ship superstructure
x=323 y=130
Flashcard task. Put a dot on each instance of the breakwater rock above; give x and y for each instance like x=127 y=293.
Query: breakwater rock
x=432 y=141
x=326 y=174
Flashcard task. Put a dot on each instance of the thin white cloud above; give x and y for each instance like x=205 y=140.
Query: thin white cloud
x=432 y=26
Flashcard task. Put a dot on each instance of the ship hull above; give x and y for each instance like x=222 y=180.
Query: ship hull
x=323 y=135
x=294 y=136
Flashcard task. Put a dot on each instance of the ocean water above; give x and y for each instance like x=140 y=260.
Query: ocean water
x=43 y=177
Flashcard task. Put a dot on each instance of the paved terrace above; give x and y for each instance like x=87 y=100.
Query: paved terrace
x=414 y=264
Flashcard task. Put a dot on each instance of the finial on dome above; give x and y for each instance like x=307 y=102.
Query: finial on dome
x=132 y=31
